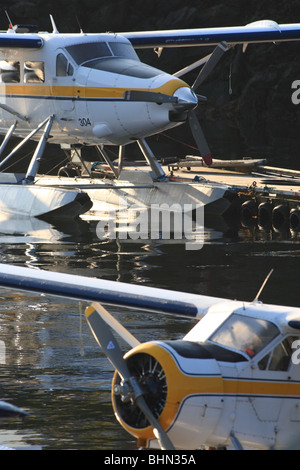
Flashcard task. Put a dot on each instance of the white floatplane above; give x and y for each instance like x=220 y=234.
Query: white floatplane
x=92 y=90
x=232 y=381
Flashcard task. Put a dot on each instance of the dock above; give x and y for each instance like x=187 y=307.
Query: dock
x=267 y=196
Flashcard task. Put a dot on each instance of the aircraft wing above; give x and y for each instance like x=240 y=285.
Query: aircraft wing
x=11 y=40
x=105 y=292
x=257 y=32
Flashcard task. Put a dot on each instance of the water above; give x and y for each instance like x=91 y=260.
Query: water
x=54 y=368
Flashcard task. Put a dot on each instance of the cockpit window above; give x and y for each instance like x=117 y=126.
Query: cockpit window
x=120 y=49
x=88 y=51
x=247 y=334
x=114 y=57
x=63 y=66
x=85 y=52
x=124 y=67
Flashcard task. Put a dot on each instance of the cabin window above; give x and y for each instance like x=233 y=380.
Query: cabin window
x=63 y=66
x=247 y=334
x=279 y=358
x=34 y=72
x=9 y=71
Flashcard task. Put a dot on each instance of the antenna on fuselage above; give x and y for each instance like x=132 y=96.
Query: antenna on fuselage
x=10 y=25
x=81 y=31
x=55 y=30
x=263 y=285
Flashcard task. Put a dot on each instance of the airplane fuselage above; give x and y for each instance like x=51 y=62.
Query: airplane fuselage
x=236 y=373
x=86 y=83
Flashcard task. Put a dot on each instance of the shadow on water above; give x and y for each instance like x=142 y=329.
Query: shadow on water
x=54 y=369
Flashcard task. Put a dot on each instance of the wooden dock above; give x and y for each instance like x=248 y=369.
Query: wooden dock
x=268 y=196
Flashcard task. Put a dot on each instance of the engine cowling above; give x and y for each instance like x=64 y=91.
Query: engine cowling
x=176 y=385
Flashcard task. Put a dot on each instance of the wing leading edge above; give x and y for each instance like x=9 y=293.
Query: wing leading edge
x=105 y=292
x=257 y=32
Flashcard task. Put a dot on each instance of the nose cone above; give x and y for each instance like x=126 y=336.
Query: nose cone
x=187 y=100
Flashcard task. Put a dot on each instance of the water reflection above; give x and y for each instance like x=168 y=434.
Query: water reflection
x=55 y=370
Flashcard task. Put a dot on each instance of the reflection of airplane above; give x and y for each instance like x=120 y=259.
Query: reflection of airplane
x=10 y=411
x=232 y=380
x=7 y=410
x=92 y=90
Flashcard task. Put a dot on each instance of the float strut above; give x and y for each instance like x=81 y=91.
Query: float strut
x=151 y=160
x=32 y=133
x=107 y=160
x=35 y=161
x=121 y=158
x=7 y=137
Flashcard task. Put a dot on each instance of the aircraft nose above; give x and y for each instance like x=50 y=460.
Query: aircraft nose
x=187 y=99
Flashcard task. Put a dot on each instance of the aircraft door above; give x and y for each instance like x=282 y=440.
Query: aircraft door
x=63 y=83
x=264 y=388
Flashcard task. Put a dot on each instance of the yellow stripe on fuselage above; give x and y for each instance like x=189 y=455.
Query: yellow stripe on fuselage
x=34 y=91
x=261 y=387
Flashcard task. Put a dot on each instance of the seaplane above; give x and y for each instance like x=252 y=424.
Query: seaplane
x=91 y=90
x=231 y=382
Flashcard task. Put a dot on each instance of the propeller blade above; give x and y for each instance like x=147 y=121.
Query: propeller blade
x=199 y=138
x=106 y=340
x=164 y=441
x=210 y=64
x=115 y=325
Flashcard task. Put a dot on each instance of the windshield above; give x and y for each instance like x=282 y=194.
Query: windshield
x=122 y=66
x=246 y=334
x=120 y=49
x=114 y=57
x=87 y=51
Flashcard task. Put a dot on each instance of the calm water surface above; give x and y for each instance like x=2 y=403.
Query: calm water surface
x=54 y=368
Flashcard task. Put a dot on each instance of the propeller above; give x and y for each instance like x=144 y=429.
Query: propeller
x=185 y=99
x=196 y=130
x=210 y=65
x=106 y=340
